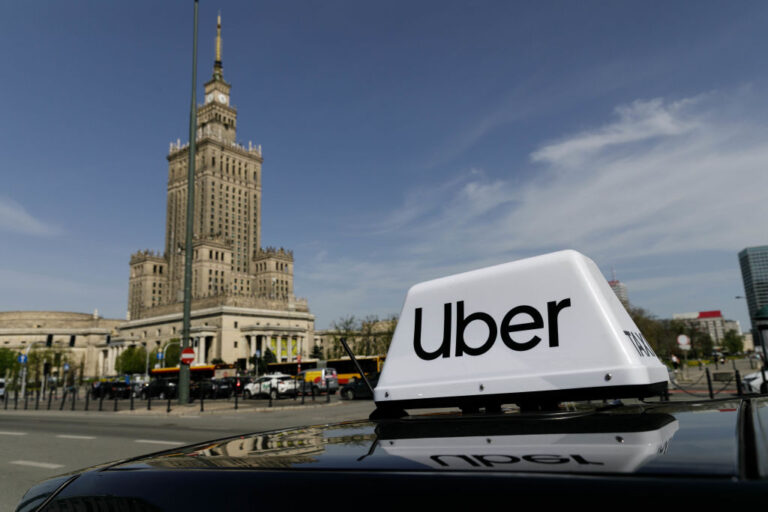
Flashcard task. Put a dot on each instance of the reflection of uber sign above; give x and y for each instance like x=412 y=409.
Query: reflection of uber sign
x=506 y=327
x=543 y=329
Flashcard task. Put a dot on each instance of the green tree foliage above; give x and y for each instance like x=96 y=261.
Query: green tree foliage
x=266 y=358
x=317 y=352
x=345 y=327
x=131 y=360
x=7 y=361
x=662 y=335
x=733 y=343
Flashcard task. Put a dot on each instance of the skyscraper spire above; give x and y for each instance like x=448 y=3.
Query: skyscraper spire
x=217 y=67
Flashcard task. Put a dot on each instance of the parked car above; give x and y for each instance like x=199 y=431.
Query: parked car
x=110 y=388
x=238 y=383
x=219 y=388
x=320 y=380
x=160 y=388
x=356 y=388
x=274 y=386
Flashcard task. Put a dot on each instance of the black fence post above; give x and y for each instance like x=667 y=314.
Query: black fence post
x=50 y=397
x=327 y=390
x=739 y=389
x=37 y=399
x=26 y=395
x=5 y=398
x=303 y=390
x=15 y=399
x=202 y=400
x=313 y=392
x=709 y=385
x=149 y=401
x=101 y=399
x=270 y=393
x=114 y=408
x=235 y=401
x=87 y=398
x=168 y=409
x=63 y=399
x=74 y=397
x=132 y=400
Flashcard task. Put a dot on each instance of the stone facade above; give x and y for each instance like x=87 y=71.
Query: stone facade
x=242 y=294
x=22 y=330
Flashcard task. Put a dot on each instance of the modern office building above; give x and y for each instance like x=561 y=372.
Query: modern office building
x=754 y=272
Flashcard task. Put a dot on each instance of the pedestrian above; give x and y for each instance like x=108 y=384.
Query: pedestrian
x=675 y=362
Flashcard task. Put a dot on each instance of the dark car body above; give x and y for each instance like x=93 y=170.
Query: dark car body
x=159 y=388
x=111 y=389
x=665 y=453
x=357 y=388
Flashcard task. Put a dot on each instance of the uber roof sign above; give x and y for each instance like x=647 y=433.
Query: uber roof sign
x=534 y=331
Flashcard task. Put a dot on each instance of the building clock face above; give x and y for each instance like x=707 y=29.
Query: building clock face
x=209 y=98
x=222 y=98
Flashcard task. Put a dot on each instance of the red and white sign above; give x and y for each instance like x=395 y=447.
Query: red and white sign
x=187 y=355
x=683 y=340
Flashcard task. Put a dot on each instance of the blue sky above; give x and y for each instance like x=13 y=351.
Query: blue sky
x=403 y=141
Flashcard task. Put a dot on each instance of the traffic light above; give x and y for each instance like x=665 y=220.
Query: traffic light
x=72 y=340
x=46 y=368
x=49 y=340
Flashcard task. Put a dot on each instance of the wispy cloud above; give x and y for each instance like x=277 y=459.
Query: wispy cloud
x=14 y=218
x=638 y=121
x=662 y=179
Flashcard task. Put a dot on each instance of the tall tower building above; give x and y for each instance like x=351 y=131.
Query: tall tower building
x=230 y=268
x=754 y=272
x=619 y=288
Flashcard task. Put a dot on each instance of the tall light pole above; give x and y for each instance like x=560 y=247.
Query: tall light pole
x=184 y=369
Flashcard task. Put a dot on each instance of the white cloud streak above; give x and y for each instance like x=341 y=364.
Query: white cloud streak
x=14 y=218
x=662 y=179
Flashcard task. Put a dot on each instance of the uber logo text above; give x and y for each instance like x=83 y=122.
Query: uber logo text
x=506 y=327
x=496 y=459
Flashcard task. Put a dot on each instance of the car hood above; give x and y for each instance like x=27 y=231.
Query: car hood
x=663 y=438
x=668 y=439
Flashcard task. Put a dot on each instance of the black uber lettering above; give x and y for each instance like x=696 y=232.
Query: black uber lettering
x=465 y=458
x=462 y=323
x=546 y=459
x=504 y=329
x=488 y=462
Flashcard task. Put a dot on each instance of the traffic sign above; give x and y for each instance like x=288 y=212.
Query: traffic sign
x=23 y=358
x=66 y=367
x=683 y=341
x=187 y=355
x=159 y=355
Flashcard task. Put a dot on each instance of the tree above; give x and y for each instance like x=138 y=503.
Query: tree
x=733 y=343
x=132 y=360
x=268 y=357
x=317 y=352
x=344 y=327
x=7 y=361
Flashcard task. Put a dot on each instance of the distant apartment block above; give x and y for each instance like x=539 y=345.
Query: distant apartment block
x=711 y=322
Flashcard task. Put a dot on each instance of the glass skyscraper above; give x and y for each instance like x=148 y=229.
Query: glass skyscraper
x=754 y=271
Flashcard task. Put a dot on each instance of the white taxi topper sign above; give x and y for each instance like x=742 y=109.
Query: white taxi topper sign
x=544 y=328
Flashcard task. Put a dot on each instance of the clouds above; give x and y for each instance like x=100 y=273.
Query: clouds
x=660 y=179
x=639 y=121
x=14 y=218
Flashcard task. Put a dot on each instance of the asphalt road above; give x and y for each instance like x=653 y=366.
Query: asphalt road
x=35 y=445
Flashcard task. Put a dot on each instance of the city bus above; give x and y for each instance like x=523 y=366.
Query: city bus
x=196 y=373
x=345 y=368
